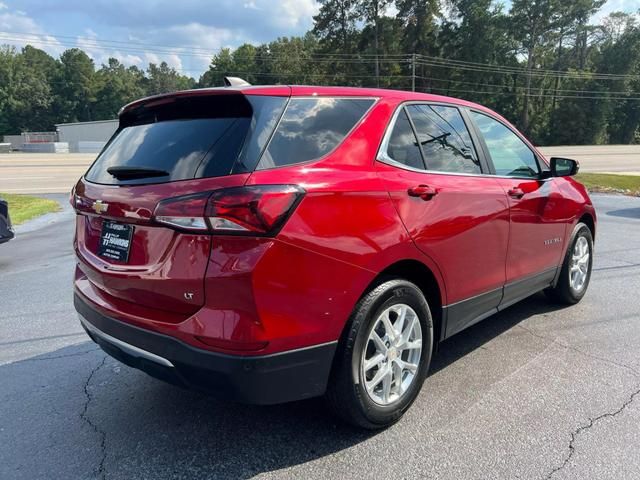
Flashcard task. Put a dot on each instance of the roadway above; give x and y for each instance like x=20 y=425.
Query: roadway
x=56 y=173
x=535 y=392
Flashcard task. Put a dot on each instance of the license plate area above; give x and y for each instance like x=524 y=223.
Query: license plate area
x=115 y=241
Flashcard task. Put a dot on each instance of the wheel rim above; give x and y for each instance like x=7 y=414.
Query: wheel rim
x=579 y=269
x=391 y=356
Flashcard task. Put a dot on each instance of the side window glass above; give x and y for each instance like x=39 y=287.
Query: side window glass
x=311 y=127
x=403 y=146
x=445 y=140
x=510 y=156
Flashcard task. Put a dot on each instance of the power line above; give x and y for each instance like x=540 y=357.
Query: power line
x=454 y=90
x=515 y=69
x=533 y=73
x=420 y=59
x=521 y=87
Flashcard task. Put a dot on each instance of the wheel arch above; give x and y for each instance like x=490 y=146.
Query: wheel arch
x=424 y=278
x=590 y=222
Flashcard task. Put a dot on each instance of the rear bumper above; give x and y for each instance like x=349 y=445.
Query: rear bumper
x=263 y=380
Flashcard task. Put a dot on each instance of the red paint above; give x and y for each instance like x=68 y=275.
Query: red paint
x=358 y=216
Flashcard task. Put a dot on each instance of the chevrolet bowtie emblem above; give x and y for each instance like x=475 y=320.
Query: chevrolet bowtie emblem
x=99 y=207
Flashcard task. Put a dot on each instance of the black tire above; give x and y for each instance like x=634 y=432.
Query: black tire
x=563 y=292
x=346 y=394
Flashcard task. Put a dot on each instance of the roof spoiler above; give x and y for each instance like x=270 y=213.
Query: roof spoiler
x=235 y=82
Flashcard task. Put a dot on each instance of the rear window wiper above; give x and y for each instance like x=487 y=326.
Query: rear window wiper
x=126 y=173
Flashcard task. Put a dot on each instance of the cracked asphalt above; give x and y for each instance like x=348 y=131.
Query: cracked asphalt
x=535 y=392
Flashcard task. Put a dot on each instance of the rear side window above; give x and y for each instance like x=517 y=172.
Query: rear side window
x=192 y=137
x=403 y=146
x=444 y=139
x=312 y=127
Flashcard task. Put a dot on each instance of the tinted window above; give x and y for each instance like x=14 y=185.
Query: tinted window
x=403 y=146
x=311 y=128
x=189 y=138
x=444 y=138
x=510 y=155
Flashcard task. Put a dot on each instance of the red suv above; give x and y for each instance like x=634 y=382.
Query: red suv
x=271 y=244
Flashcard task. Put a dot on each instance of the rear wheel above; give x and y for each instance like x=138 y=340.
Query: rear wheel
x=384 y=357
x=576 y=268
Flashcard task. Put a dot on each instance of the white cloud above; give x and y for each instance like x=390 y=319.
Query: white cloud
x=251 y=5
x=31 y=32
x=628 y=6
x=198 y=44
x=185 y=34
x=295 y=13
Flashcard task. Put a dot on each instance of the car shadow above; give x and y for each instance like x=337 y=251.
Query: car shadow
x=155 y=430
x=477 y=335
x=625 y=213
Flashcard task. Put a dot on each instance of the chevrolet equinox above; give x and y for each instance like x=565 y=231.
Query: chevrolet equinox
x=276 y=243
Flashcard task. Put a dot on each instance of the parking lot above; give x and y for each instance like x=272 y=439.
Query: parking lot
x=535 y=392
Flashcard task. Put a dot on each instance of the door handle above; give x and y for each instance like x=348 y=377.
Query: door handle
x=425 y=192
x=516 y=192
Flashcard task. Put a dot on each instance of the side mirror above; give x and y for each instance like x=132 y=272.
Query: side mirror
x=564 y=167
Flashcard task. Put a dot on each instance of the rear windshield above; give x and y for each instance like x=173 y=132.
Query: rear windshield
x=192 y=137
x=312 y=127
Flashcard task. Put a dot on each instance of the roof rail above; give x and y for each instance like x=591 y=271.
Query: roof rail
x=235 y=82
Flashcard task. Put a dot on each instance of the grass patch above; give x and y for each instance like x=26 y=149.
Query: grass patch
x=605 y=182
x=26 y=207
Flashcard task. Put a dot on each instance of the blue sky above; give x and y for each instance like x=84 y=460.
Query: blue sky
x=183 y=33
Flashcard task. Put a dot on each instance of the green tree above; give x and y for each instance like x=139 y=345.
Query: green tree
x=222 y=64
x=74 y=87
x=419 y=25
x=392 y=72
x=477 y=32
x=335 y=25
x=372 y=11
x=25 y=91
x=116 y=85
x=419 y=34
x=162 y=79
x=621 y=56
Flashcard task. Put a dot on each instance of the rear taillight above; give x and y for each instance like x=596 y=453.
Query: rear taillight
x=186 y=212
x=254 y=210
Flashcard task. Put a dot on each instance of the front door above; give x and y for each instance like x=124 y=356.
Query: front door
x=537 y=224
x=456 y=215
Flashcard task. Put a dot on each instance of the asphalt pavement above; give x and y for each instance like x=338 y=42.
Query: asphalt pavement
x=535 y=392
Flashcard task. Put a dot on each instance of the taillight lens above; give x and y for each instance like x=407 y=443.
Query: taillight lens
x=260 y=209
x=186 y=212
x=254 y=210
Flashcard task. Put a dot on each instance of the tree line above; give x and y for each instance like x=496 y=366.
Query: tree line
x=540 y=63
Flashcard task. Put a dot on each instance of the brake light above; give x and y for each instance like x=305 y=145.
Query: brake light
x=254 y=210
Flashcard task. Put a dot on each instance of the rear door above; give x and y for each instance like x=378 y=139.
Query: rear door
x=456 y=214
x=537 y=222
x=169 y=147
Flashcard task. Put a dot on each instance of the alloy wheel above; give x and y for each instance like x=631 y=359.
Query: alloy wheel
x=579 y=268
x=391 y=356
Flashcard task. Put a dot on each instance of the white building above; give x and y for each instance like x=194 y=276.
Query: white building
x=86 y=137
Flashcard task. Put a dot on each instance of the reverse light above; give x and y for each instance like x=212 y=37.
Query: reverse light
x=185 y=212
x=259 y=210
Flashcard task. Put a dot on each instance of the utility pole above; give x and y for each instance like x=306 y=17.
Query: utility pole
x=413 y=72
x=376 y=47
